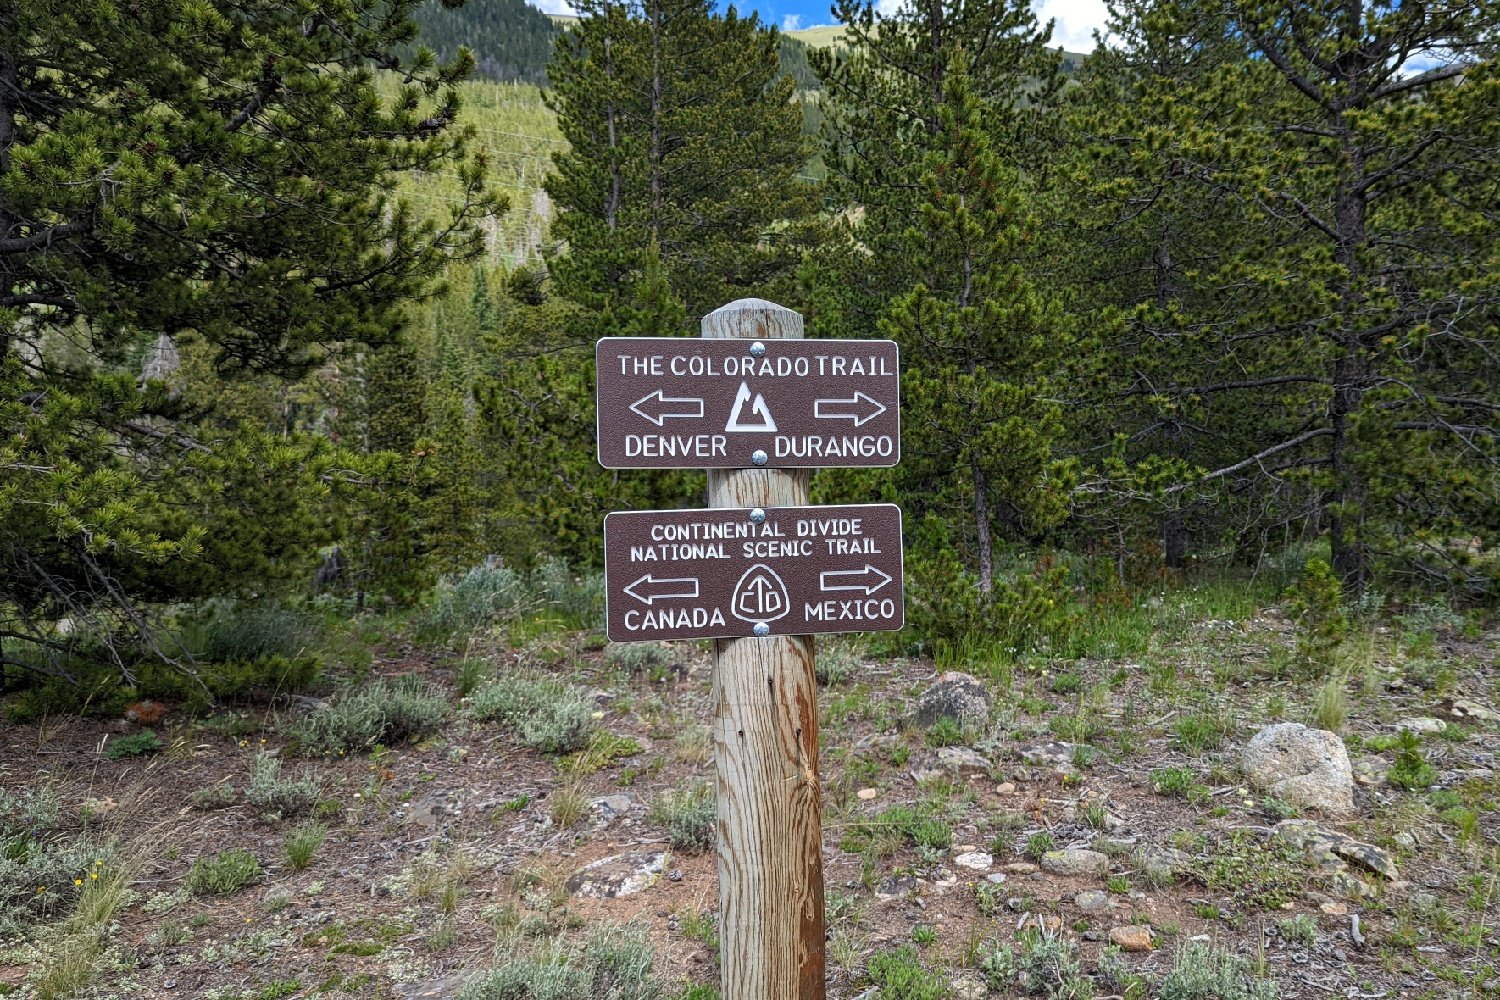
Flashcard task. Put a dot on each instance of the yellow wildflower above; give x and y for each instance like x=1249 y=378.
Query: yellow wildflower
x=78 y=881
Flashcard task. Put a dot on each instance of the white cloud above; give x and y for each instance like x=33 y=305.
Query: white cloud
x=1074 y=21
x=553 y=6
x=792 y=22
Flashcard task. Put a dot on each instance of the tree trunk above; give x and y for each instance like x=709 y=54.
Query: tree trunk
x=1173 y=541
x=1346 y=502
x=982 y=532
x=656 y=98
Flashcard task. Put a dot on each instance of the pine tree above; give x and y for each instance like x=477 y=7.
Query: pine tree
x=981 y=344
x=1359 y=140
x=221 y=168
x=883 y=98
x=682 y=133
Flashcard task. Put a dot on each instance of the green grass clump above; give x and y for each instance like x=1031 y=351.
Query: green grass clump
x=550 y=716
x=1203 y=972
x=885 y=833
x=1181 y=782
x=1411 y=770
x=1203 y=731
x=224 y=873
x=303 y=842
x=689 y=813
x=386 y=712
x=267 y=790
x=900 y=975
x=945 y=732
x=135 y=745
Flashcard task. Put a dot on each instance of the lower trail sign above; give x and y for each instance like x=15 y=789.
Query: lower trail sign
x=698 y=574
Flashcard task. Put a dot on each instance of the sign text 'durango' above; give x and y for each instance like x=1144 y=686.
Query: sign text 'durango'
x=690 y=574
x=672 y=403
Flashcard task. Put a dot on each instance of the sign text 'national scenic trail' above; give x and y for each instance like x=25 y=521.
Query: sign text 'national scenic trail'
x=676 y=403
x=689 y=574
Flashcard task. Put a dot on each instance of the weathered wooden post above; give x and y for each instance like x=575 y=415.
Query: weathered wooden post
x=760 y=573
x=770 y=853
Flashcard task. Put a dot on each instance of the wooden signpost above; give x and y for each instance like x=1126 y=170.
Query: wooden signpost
x=758 y=572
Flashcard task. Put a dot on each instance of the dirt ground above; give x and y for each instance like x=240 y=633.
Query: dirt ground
x=442 y=858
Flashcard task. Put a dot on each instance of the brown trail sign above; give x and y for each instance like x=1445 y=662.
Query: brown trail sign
x=671 y=403
x=697 y=574
x=757 y=407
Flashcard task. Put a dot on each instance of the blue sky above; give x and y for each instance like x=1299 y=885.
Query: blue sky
x=1075 y=19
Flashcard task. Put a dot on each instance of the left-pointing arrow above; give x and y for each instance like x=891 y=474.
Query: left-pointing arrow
x=648 y=588
x=658 y=407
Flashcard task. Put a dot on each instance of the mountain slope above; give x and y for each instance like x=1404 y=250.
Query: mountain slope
x=511 y=40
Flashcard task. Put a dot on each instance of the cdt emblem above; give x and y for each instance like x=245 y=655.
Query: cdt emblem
x=760 y=596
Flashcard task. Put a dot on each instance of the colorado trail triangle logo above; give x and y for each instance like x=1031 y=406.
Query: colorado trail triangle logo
x=758 y=408
x=760 y=596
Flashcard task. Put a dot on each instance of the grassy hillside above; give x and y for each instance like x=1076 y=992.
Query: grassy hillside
x=518 y=134
x=825 y=36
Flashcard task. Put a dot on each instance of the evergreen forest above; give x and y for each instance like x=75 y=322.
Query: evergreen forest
x=1200 y=400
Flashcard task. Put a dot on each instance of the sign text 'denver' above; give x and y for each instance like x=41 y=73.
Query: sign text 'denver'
x=692 y=574
x=674 y=403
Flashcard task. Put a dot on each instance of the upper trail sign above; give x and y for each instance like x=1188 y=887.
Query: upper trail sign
x=675 y=403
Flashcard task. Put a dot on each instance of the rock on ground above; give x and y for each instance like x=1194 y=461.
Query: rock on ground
x=957 y=696
x=1307 y=767
x=1132 y=937
x=619 y=875
x=1075 y=861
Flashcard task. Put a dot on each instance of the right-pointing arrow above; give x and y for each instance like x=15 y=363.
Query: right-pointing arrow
x=648 y=588
x=658 y=407
x=868 y=579
x=859 y=408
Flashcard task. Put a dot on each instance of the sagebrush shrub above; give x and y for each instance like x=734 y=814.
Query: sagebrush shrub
x=612 y=962
x=386 y=712
x=1203 y=972
x=268 y=791
x=689 y=814
x=462 y=604
x=549 y=716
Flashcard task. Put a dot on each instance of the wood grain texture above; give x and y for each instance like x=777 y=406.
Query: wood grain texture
x=770 y=853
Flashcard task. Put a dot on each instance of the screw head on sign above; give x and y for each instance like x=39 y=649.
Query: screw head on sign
x=761 y=629
x=758 y=516
x=759 y=458
x=757 y=349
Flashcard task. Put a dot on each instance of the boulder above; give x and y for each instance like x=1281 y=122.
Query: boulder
x=957 y=696
x=618 y=875
x=1075 y=861
x=1092 y=900
x=963 y=759
x=1132 y=937
x=1308 y=768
